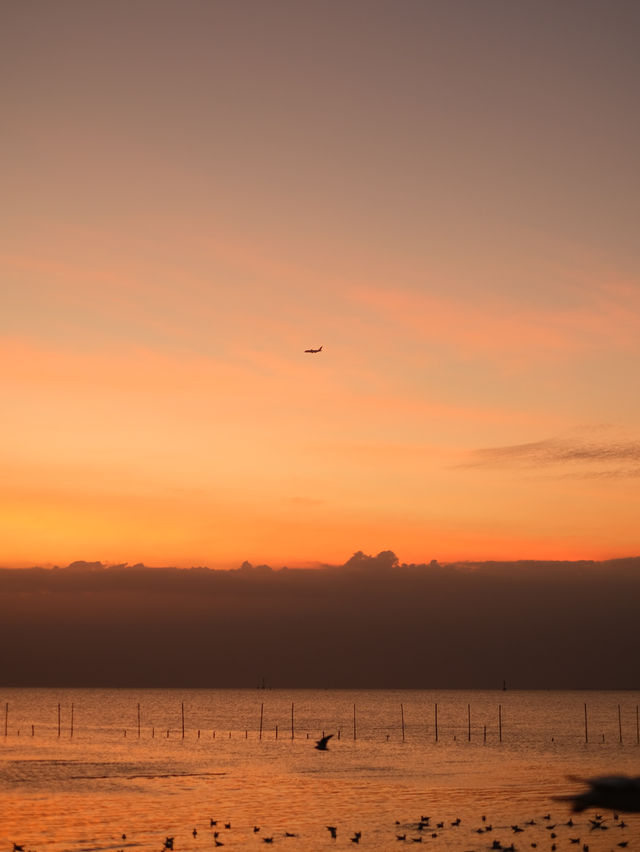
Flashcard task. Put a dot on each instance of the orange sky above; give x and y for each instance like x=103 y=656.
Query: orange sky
x=443 y=195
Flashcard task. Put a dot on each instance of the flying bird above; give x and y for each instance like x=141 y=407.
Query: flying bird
x=313 y=351
x=617 y=792
x=321 y=745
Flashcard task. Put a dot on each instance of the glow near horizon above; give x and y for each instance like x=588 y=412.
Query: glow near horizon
x=442 y=195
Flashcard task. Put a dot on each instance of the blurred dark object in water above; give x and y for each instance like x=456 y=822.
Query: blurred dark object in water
x=615 y=792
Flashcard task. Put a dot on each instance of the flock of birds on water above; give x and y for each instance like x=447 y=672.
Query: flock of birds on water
x=619 y=794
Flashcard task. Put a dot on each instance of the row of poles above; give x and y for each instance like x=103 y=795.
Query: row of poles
x=586 y=725
x=355 y=726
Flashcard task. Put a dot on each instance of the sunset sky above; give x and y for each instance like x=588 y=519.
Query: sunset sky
x=444 y=194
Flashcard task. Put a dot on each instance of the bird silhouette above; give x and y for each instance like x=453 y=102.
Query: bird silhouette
x=321 y=745
x=615 y=792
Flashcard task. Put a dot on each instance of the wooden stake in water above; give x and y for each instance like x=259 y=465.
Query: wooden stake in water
x=354 y=721
x=586 y=728
x=71 y=725
x=620 y=723
x=402 y=719
x=138 y=721
x=637 y=726
x=436 y=720
x=6 y=719
x=182 y=710
x=261 y=718
x=58 y=720
x=469 y=722
x=292 y=720
x=500 y=722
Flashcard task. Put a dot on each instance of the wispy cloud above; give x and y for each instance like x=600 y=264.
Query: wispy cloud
x=602 y=315
x=568 y=456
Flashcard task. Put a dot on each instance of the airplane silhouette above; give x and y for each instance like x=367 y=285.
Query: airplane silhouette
x=313 y=351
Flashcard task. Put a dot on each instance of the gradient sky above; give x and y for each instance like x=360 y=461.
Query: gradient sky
x=445 y=195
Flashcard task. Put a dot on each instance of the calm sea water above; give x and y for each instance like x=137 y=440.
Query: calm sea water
x=128 y=767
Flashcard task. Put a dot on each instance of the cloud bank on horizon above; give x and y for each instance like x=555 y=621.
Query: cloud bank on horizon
x=370 y=622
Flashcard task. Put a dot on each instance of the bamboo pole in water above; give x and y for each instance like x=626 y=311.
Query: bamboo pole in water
x=500 y=722
x=436 y=720
x=261 y=718
x=292 y=720
x=620 y=723
x=58 y=720
x=637 y=726
x=586 y=727
x=138 y=721
x=6 y=719
x=402 y=718
x=469 y=722
x=354 y=721
x=71 y=726
x=182 y=712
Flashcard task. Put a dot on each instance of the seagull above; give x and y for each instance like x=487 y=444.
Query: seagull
x=321 y=745
x=313 y=351
x=617 y=792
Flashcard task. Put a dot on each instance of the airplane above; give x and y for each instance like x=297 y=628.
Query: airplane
x=313 y=351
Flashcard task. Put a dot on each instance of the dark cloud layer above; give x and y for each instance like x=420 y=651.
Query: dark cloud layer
x=369 y=623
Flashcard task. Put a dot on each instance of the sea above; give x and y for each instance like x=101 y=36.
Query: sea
x=87 y=770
